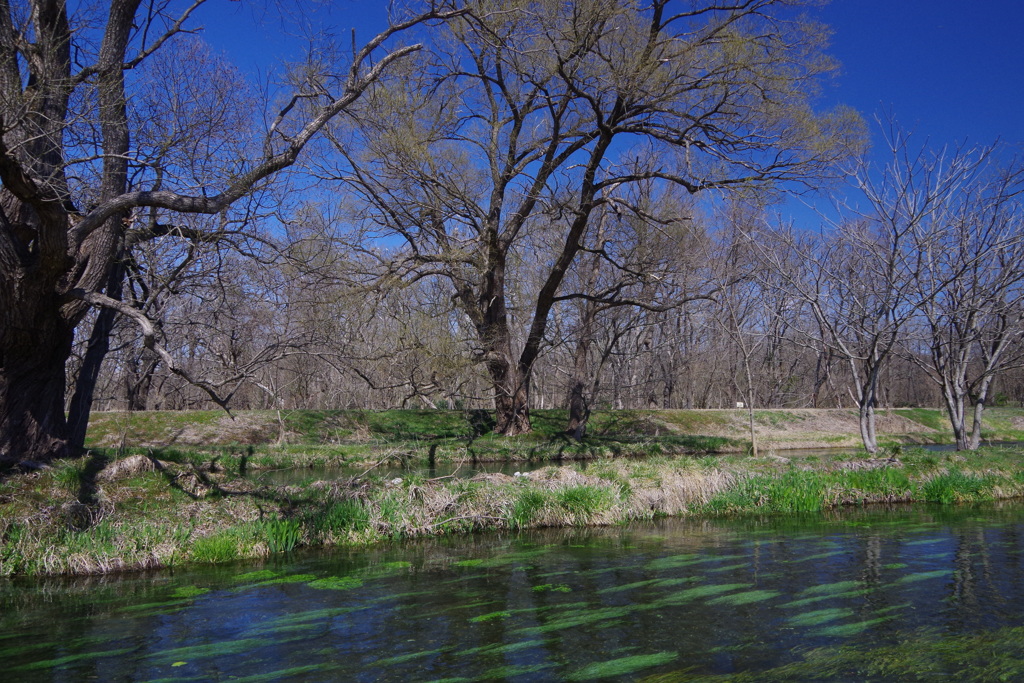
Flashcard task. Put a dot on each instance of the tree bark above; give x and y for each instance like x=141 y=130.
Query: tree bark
x=866 y=415
x=96 y=351
x=32 y=423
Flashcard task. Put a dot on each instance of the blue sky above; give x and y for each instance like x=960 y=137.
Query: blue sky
x=947 y=69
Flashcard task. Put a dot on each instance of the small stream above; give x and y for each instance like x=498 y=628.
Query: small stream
x=900 y=593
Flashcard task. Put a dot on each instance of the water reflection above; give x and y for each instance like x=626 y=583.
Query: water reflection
x=675 y=599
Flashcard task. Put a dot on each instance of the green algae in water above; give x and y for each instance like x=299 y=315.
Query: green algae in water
x=491 y=617
x=729 y=567
x=745 y=598
x=699 y=592
x=311 y=615
x=468 y=563
x=924 y=541
x=821 y=616
x=228 y=647
x=990 y=656
x=689 y=559
x=500 y=648
x=824 y=598
x=504 y=614
x=603 y=616
x=412 y=656
x=847 y=630
x=937 y=556
x=21 y=649
x=274 y=580
x=284 y=674
x=474 y=605
x=397 y=564
x=629 y=586
x=831 y=588
x=502 y=560
x=291 y=578
x=165 y=607
x=554 y=588
x=819 y=556
x=268 y=630
x=924 y=576
x=622 y=666
x=336 y=583
x=895 y=565
x=503 y=672
x=189 y=592
x=72 y=659
x=659 y=583
x=260 y=575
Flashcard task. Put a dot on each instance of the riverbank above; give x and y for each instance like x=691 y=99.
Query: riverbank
x=320 y=438
x=113 y=512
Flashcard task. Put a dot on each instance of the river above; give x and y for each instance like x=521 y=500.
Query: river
x=898 y=593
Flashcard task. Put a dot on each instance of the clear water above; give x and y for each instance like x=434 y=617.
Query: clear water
x=939 y=591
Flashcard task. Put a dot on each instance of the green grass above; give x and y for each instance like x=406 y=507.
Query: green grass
x=315 y=438
x=185 y=513
x=932 y=418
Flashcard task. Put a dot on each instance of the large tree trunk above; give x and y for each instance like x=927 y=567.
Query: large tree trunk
x=32 y=423
x=510 y=379
x=512 y=407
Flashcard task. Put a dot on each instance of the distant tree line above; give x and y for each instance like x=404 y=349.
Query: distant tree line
x=909 y=295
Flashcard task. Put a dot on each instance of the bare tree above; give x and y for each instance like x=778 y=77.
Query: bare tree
x=526 y=108
x=61 y=224
x=856 y=282
x=974 y=264
x=868 y=280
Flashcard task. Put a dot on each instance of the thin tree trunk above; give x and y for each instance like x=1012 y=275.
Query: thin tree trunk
x=979 y=412
x=96 y=350
x=866 y=415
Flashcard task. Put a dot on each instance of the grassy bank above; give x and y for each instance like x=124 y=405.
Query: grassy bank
x=311 y=437
x=102 y=514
